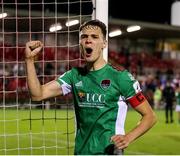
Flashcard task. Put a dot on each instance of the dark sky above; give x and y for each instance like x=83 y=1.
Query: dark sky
x=156 y=11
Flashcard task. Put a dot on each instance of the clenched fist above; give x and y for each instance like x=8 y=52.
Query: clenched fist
x=32 y=49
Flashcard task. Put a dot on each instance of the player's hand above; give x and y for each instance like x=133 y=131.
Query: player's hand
x=120 y=141
x=32 y=49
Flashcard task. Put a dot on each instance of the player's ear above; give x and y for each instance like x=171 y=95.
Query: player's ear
x=104 y=44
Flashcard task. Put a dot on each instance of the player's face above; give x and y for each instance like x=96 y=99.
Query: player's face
x=92 y=43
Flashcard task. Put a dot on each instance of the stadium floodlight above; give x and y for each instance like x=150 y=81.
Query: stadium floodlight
x=115 y=33
x=55 y=27
x=133 y=28
x=3 y=15
x=72 y=22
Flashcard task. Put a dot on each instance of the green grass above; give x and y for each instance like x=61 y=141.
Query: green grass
x=162 y=139
x=20 y=136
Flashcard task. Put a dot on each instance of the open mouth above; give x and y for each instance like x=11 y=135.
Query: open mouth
x=88 y=50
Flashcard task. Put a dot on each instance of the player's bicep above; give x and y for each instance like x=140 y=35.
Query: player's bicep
x=144 y=108
x=51 y=89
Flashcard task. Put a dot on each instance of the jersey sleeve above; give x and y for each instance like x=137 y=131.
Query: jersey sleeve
x=130 y=89
x=65 y=80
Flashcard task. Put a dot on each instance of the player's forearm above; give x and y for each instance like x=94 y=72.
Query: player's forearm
x=32 y=80
x=143 y=126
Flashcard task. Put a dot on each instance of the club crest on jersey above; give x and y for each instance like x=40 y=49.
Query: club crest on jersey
x=105 y=84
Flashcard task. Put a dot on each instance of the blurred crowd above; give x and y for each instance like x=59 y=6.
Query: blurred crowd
x=155 y=75
x=163 y=92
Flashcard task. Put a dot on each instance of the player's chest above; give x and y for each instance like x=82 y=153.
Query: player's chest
x=98 y=89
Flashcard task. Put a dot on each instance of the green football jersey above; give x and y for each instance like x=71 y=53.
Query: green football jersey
x=100 y=105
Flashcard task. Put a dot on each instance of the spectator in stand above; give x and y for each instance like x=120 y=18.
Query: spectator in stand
x=12 y=84
x=48 y=69
x=157 y=97
x=177 y=92
x=149 y=90
x=1 y=85
x=15 y=69
x=168 y=97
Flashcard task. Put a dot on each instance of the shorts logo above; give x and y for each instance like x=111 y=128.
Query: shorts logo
x=105 y=84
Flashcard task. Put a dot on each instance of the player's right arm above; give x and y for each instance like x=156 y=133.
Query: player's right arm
x=38 y=92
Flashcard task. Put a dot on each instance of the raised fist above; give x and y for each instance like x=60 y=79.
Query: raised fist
x=32 y=49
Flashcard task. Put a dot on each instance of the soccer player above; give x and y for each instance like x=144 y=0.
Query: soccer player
x=169 y=97
x=101 y=95
x=177 y=93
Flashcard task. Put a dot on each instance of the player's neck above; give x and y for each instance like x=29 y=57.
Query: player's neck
x=96 y=65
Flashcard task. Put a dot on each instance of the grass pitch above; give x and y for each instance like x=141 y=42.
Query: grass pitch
x=50 y=133
x=162 y=139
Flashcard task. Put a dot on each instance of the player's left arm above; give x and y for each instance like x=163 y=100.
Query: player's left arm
x=147 y=121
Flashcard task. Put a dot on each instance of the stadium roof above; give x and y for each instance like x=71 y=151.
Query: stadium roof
x=148 y=30
x=154 y=11
x=151 y=15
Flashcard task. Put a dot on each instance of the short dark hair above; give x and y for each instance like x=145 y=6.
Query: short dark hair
x=97 y=23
